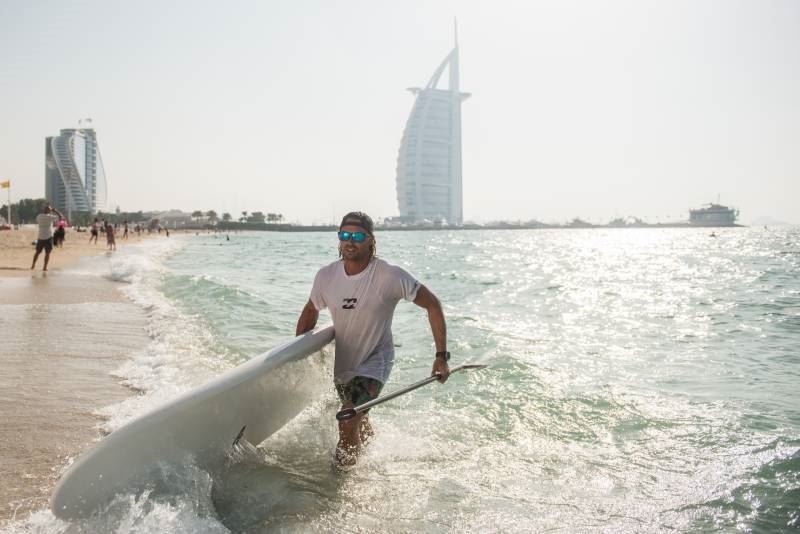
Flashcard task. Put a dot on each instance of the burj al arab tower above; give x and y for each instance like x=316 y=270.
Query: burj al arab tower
x=429 y=183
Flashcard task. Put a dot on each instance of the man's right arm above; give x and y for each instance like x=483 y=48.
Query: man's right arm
x=308 y=319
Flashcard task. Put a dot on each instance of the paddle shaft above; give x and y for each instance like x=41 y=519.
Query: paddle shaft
x=349 y=413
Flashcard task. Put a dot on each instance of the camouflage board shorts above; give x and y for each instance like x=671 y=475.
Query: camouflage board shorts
x=359 y=390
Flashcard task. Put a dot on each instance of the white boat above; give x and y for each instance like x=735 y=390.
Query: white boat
x=713 y=215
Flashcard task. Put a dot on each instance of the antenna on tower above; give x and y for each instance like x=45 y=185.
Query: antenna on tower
x=455 y=30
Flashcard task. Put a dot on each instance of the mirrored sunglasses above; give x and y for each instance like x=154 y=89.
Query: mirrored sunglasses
x=356 y=237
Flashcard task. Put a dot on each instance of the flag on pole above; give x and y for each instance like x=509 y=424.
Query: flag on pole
x=5 y=185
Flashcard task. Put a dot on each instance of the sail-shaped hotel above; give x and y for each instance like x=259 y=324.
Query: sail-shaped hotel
x=75 y=180
x=429 y=186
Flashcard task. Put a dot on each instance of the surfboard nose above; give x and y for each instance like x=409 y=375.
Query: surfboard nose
x=198 y=427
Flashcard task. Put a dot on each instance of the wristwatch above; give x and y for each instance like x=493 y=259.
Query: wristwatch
x=444 y=354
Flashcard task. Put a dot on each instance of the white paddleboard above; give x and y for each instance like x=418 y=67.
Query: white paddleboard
x=251 y=402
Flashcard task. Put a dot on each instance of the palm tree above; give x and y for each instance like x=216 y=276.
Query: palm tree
x=243 y=218
x=226 y=217
x=212 y=216
x=196 y=214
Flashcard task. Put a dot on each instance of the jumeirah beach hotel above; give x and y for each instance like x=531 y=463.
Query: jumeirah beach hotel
x=75 y=180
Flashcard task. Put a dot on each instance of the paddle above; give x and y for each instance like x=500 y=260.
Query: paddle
x=349 y=413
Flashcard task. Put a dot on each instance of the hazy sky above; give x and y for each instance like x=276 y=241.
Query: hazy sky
x=591 y=109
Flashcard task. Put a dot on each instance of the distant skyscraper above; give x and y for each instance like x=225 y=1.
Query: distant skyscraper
x=74 y=176
x=429 y=163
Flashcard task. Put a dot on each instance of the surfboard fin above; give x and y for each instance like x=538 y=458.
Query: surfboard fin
x=239 y=436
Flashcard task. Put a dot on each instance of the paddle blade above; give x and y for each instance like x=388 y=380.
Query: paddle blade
x=344 y=415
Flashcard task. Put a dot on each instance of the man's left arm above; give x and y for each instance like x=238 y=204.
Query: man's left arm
x=426 y=299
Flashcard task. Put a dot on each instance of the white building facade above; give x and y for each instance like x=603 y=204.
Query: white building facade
x=429 y=182
x=75 y=180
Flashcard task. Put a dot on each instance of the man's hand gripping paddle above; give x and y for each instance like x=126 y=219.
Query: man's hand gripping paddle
x=349 y=413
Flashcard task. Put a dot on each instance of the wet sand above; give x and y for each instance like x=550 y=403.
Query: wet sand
x=61 y=336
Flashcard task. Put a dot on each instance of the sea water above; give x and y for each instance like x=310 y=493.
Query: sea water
x=639 y=380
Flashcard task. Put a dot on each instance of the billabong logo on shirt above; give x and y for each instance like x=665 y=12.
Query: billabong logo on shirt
x=349 y=304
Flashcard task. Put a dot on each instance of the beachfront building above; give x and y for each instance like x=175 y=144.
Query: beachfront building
x=429 y=186
x=173 y=219
x=75 y=180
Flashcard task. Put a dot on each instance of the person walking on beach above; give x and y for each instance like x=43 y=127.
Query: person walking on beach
x=44 y=242
x=361 y=291
x=125 y=233
x=95 y=225
x=60 y=233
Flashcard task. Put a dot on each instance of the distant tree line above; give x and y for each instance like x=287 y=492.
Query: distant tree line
x=26 y=210
x=257 y=217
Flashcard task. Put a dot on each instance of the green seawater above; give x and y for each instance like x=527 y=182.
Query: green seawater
x=640 y=380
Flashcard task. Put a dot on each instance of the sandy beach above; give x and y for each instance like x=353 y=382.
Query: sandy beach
x=17 y=249
x=63 y=334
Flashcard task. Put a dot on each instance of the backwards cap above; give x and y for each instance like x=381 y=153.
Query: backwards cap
x=358 y=218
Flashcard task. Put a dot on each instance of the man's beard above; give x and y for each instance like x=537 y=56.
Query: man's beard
x=356 y=254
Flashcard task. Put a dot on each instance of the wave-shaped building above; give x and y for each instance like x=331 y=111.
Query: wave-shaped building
x=429 y=185
x=75 y=180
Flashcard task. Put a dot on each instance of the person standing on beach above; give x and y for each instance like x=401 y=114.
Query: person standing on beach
x=125 y=233
x=361 y=291
x=110 y=241
x=95 y=225
x=44 y=242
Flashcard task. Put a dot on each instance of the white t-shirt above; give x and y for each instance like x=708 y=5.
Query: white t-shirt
x=362 y=307
x=45 y=222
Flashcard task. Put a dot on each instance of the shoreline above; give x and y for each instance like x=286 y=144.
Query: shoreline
x=65 y=333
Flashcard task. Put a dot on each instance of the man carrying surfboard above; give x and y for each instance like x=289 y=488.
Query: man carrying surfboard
x=361 y=291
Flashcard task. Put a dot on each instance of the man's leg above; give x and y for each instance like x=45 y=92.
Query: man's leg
x=39 y=248
x=353 y=436
x=48 y=248
x=353 y=433
x=349 y=445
